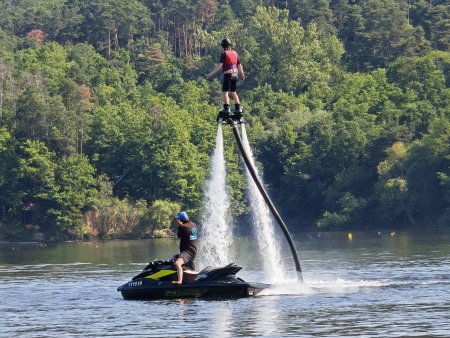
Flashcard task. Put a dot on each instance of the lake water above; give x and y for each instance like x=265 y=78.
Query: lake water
x=387 y=284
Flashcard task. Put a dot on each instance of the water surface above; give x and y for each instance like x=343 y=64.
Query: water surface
x=387 y=284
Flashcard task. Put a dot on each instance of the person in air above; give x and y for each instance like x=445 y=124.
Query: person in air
x=232 y=70
x=187 y=233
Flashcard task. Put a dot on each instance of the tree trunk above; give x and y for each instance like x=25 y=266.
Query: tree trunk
x=2 y=81
x=407 y=213
x=174 y=39
x=130 y=37
x=179 y=43
x=81 y=143
x=116 y=40
x=14 y=102
x=109 y=42
x=185 y=38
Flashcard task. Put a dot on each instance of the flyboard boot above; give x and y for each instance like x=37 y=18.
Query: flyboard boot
x=229 y=117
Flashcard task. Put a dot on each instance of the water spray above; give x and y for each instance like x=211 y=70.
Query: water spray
x=262 y=220
x=216 y=232
x=233 y=122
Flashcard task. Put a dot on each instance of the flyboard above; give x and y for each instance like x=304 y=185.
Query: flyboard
x=235 y=119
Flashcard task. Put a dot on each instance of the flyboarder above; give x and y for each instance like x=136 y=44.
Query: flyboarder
x=232 y=70
x=187 y=233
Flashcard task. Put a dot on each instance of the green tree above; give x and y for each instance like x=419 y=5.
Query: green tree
x=9 y=193
x=393 y=186
x=112 y=217
x=425 y=76
x=166 y=77
x=291 y=58
x=366 y=98
x=45 y=118
x=387 y=34
x=158 y=218
x=86 y=65
x=77 y=192
x=427 y=163
x=244 y=8
x=117 y=146
x=36 y=182
x=176 y=169
x=318 y=12
x=48 y=63
x=343 y=219
x=44 y=15
x=349 y=22
x=7 y=90
x=111 y=24
x=424 y=84
x=438 y=22
x=444 y=180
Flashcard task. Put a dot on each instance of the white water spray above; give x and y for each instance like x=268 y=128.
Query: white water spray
x=216 y=231
x=268 y=243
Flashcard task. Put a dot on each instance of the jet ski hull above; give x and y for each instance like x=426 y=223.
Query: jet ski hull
x=156 y=282
x=196 y=290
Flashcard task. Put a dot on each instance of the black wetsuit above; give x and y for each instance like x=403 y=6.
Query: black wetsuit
x=187 y=232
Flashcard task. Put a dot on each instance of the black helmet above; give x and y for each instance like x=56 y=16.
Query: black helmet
x=225 y=43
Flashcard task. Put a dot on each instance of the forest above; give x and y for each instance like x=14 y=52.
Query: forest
x=107 y=121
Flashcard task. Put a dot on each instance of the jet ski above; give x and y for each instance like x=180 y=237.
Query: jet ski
x=155 y=282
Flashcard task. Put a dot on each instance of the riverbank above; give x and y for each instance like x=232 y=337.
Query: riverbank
x=343 y=234
x=38 y=237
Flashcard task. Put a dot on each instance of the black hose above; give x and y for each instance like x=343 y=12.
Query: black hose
x=269 y=203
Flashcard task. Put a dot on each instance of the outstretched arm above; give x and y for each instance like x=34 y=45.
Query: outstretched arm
x=216 y=68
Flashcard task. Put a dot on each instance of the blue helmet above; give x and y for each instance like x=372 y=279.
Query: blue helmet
x=183 y=216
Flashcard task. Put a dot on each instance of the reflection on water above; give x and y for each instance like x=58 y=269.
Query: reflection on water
x=385 y=285
x=262 y=326
x=220 y=323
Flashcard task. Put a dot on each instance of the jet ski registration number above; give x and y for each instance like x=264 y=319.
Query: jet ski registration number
x=138 y=283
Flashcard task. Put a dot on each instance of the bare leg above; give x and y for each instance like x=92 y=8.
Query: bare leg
x=178 y=266
x=226 y=98
x=235 y=97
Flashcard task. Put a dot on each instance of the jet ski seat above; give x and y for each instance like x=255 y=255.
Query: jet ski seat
x=213 y=273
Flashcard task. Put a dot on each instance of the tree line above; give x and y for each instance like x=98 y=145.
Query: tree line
x=107 y=121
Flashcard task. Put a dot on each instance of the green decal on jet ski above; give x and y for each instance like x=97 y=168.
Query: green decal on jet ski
x=160 y=274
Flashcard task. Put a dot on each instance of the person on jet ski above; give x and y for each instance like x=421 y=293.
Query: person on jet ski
x=231 y=70
x=187 y=232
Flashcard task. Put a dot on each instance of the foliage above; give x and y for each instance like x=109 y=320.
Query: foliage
x=290 y=57
x=77 y=192
x=107 y=123
x=427 y=166
x=159 y=216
